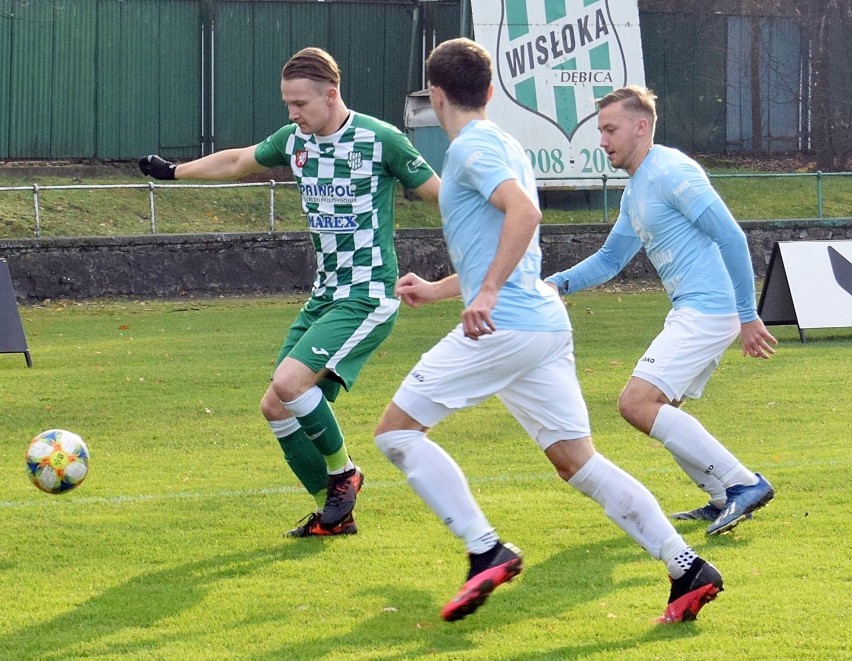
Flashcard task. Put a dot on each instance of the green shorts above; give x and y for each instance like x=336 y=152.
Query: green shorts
x=339 y=336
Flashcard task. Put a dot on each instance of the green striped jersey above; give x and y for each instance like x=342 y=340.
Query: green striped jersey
x=347 y=181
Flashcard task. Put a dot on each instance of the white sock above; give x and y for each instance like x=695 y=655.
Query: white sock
x=679 y=564
x=692 y=445
x=305 y=403
x=630 y=506
x=437 y=479
x=285 y=427
x=714 y=489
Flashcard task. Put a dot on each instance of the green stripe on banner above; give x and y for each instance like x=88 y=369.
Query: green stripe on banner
x=586 y=3
x=599 y=57
x=602 y=91
x=554 y=10
x=516 y=18
x=525 y=94
x=566 y=106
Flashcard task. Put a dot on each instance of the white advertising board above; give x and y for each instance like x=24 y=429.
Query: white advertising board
x=552 y=59
x=808 y=283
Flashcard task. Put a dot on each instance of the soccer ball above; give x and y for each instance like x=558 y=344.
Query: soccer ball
x=57 y=461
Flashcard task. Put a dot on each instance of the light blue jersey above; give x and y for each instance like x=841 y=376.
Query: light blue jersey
x=670 y=208
x=478 y=160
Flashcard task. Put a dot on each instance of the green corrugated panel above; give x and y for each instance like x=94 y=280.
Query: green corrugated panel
x=128 y=61
x=31 y=84
x=366 y=59
x=149 y=73
x=337 y=40
x=72 y=106
x=108 y=93
x=397 y=26
x=309 y=26
x=374 y=65
x=271 y=50
x=5 y=74
x=140 y=57
x=445 y=19
x=234 y=74
x=179 y=75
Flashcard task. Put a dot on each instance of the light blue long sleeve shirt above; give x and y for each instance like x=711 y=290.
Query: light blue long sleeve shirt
x=670 y=209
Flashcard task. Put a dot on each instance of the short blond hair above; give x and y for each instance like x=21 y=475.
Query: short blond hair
x=314 y=64
x=636 y=99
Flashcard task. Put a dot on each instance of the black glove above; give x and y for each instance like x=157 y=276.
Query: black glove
x=154 y=166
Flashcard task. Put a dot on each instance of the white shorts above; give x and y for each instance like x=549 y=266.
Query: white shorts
x=687 y=351
x=532 y=372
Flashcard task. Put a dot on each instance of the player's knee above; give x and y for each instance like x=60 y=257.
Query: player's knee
x=629 y=406
x=569 y=456
x=396 y=444
x=623 y=405
x=386 y=441
x=284 y=389
x=266 y=407
x=271 y=406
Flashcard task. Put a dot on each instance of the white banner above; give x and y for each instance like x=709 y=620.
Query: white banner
x=552 y=59
x=819 y=277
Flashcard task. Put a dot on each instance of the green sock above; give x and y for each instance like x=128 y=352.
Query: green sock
x=321 y=427
x=306 y=462
x=337 y=462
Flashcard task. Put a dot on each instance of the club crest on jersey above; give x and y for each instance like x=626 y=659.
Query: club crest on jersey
x=415 y=165
x=301 y=157
x=555 y=58
x=355 y=159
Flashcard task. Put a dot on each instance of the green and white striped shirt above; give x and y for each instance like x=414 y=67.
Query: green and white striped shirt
x=347 y=182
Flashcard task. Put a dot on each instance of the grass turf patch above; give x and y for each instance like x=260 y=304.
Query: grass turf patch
x=172 y=548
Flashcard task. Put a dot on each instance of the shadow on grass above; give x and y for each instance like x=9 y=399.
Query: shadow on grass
x=140 y=603
x=547 y=591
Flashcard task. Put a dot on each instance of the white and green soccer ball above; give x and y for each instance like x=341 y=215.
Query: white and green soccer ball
x=57 y=461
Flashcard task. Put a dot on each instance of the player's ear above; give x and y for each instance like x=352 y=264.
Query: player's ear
x=435 y=96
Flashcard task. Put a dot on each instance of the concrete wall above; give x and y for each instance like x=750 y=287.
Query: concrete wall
x=263 y=263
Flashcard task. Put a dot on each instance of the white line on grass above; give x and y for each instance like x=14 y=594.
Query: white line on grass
x=394 y=484
x=238 y=493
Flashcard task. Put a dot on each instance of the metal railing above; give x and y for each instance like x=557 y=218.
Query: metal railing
x=820 y=176
x=151 y=187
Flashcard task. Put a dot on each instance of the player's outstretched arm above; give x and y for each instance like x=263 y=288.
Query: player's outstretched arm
x=226 y=164
x=414 y=290
x=756 y=340
x=429 y=190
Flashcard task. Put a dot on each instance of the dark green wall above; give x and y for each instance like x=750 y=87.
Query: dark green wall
x=113 y=79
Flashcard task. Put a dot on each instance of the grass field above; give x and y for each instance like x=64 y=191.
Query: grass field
x=172 y=548
x=117 y=212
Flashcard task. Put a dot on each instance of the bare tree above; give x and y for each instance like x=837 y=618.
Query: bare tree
x=831 y=133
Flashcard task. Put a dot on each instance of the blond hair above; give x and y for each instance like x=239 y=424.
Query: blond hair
x=313 y=64
x=635 y=98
